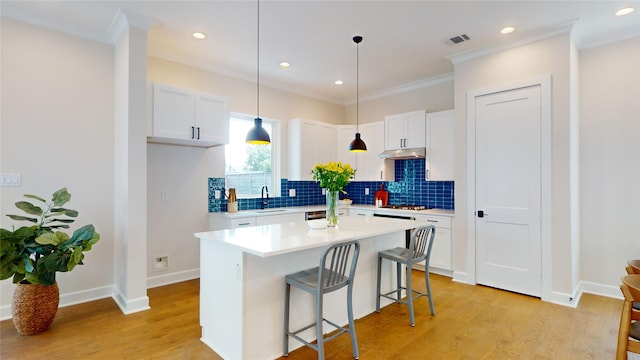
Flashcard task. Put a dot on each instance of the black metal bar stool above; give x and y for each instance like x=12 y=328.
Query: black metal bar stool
x=329 y=276
x=419 y=250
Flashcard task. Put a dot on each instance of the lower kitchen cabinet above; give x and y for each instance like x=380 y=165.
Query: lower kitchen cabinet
x=220 y=221
x=441 y=250
x=279 y=219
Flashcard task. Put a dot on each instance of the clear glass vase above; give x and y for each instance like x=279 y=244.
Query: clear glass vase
x=332 y=208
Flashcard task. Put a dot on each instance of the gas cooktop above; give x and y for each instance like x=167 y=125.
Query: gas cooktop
x=406 y=207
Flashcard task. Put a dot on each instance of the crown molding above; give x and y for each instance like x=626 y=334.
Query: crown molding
x=479 y=52
x=125 y=19
x=412 y=86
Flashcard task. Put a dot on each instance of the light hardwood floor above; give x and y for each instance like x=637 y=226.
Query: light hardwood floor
x=471 y=322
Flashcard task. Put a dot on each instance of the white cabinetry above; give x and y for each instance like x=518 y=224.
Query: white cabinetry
x=220 y=221
x=406 y=130
x=279 y=219
x=186 y=117
x=441 y=250
x=310 y=142
x=344 y=135
x=369 y=165
x=439 y=162
x=360 y=212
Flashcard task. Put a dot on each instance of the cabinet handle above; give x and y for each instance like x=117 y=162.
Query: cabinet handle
x=432 y=221
x=244 y=224
x=193 y=132
x=380 y=175
x=400 y=142
x=198 y=132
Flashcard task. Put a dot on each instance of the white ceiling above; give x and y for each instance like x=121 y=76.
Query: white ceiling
x=404 y=41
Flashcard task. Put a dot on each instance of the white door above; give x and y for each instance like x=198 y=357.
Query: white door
x=508 y=190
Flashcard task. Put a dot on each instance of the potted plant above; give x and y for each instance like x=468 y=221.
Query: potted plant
x=32 y=255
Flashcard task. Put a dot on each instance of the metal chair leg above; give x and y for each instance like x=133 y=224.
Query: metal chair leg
x=378 y=286
x=410 y=296
x=285 y=341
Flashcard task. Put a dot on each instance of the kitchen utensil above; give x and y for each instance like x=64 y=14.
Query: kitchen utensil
x=383 y=195
x=231 y=195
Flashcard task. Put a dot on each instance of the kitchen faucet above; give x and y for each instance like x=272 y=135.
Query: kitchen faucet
x=265 y=202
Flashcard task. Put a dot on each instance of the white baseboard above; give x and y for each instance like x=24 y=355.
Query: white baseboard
x=69 y=299
x=172 y=278
x=127 y=306
x=462 y=277
x=600 y=289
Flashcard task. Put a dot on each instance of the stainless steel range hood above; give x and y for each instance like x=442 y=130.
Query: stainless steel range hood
x=413 y=153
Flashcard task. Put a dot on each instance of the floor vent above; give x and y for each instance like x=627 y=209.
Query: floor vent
x=455 y=40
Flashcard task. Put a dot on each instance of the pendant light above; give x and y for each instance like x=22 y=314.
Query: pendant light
x=357 y=145
x=258 y=135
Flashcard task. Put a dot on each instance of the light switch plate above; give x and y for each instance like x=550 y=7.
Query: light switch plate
x=292 y=192
x=10 y=180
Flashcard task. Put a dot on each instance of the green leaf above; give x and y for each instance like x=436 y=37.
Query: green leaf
x=89 y=244
x=83 y=234
x=54 y=239
x=66 y=221
x=20 y=217
x=61 y=197
x=35 y=197
x=76 y=258
x=29 y=208
x=63 y=211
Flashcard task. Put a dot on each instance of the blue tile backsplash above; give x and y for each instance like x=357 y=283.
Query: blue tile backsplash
x=409 y=188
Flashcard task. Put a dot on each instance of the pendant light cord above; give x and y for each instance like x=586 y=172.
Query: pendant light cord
x=357 y=86
x=258 y=62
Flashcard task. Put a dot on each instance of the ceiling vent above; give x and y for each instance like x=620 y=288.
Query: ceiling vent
x=455 y=40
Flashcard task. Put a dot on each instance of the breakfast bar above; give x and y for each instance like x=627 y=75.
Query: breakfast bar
x=242 y=274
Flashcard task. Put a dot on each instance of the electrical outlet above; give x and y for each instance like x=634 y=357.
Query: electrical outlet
x=164 y=196
x=216 y=194
x=161 y=263
x=366 y=191
x=292 y=192
x=324 y=191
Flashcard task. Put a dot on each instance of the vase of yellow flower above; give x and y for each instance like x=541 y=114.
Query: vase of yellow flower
x=333 y=177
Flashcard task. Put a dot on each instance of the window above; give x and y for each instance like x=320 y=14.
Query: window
x=250 y=167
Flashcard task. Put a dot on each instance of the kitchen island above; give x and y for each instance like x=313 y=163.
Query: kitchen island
x=242 y=274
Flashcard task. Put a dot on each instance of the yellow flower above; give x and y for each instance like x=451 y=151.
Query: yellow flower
x=334 y=175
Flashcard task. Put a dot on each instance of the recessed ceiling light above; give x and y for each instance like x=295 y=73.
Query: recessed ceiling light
x=507 y=30
x=625 y=11
x=285 y=64
x=199 y=35
x=338 y=82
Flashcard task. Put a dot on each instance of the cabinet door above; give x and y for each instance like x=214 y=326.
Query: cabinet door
x=395 y=128
x=344 y=135
x=212 y=119
x=279 y=219
x=439 y=164
x=173 y=112
x=415 y=129
x=370 y=166
x=441 y=250
x=310 y=142
x=242 y=222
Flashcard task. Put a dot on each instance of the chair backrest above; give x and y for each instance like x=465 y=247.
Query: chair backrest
x=631 y=291
x=421 y=243
x=334 y=262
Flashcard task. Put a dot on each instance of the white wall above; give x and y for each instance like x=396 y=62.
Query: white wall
x=182 y=172
x=550 y=56
x=610 y=160
x=56 y=131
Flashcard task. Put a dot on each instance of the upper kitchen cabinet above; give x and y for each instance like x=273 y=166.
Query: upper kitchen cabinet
x=439 y=162
x=310 y=142
x=187 y=117
x=405 y=131
x=344 y=136
x=370 y=166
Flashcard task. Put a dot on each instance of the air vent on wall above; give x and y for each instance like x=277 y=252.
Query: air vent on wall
x=455 y=40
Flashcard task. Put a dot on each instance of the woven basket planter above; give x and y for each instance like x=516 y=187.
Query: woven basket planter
x=34 y=307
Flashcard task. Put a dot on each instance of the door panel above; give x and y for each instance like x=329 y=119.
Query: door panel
x=508 y=189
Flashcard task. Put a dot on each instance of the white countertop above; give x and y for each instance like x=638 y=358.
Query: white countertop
x=277 y=239
x=299 y=209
